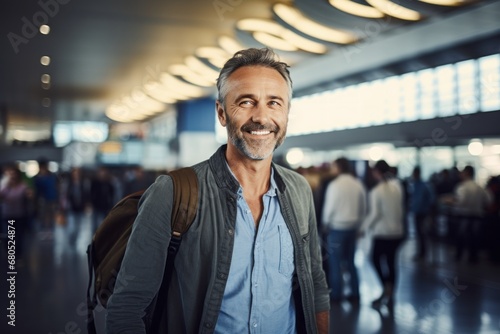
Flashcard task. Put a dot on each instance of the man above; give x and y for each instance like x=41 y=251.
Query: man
x=47 y=197
x=250 y=262
x=385 y=223
x=420 y=203
x=101 y=196
x=343 y=211
x=470 y=205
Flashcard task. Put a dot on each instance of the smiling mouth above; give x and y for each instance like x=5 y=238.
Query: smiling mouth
x=260 y=133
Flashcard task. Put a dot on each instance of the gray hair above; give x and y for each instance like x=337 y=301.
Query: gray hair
x=252 y=57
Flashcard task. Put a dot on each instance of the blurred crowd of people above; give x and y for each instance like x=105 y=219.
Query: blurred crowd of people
x=379 y=204
x=40 y=203
x=391 y=209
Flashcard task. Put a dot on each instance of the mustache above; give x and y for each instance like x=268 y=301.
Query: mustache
x=251 y=126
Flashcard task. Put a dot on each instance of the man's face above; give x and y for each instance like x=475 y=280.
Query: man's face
x=255 y=111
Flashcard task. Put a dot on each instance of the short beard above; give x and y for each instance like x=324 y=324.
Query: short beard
x=242 y=145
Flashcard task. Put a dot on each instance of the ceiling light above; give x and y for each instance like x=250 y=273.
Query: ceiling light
x=274 y=42
x=230 y=45
x=260 y=25
x=45 y=85
x=30 y=135
x=46 y=102
x=475 y=147
x=201 y=68
x=304 y=43
x=139 y=100
x=44 y=29
x=276 y=36
x=159 y=92
x=45 y=78
x=216 y=56
x=178 y=86
x=45 y=60
x=446 y=2
x=187 y=74
x=296 y=19
x=392 y=9
x=354 y=8
x=121 y=113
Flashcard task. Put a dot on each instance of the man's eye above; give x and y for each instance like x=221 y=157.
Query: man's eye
x=274 y=103
x=246 y=103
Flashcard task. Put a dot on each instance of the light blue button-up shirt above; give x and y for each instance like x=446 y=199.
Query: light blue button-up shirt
x=258 y=295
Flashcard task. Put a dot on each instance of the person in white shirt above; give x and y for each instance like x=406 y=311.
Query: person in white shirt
x=470 y=204
x=343 y=211
x=385 y=223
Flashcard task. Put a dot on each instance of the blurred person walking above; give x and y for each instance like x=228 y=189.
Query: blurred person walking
x=14 y=197
x=385 y=223
x=344 y=209
x=469 y=205
x=47 y=196
x=101 y=195
x=76 y=199
x=420 y=200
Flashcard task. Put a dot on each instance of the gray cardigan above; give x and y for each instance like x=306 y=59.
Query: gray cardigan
x=204 y=258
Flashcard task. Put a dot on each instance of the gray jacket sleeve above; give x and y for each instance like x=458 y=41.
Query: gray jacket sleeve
x=143 y=265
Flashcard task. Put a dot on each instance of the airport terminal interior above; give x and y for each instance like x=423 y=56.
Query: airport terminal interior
x=115 y=93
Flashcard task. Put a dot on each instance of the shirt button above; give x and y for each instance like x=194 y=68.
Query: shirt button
x=254 y=324
x=230 y=231
x=208 y=325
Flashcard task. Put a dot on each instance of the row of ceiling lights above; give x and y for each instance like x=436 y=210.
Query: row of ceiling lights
x=195 y=77
x=45 y=61
x=21 y=133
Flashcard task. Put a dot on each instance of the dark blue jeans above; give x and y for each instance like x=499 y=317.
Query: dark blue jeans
x=341 y=248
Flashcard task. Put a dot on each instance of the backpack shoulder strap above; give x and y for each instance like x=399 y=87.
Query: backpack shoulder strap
x=185 y=199
x=185 y=205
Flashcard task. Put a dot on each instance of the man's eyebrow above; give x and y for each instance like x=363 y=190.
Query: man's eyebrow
x=276 y=97
x=245 y=96
x=252 y=96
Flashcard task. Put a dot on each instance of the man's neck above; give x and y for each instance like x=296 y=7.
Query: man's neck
x=253 y=175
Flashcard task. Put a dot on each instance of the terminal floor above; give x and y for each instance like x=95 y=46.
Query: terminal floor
x=438 y=296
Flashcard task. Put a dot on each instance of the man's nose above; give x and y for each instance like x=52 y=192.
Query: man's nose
x=260 y=114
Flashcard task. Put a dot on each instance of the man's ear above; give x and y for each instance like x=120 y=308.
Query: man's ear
x=221 y=115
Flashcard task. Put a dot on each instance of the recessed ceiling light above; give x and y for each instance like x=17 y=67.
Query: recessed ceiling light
x=354 y=8
x=45 y=60
x=276 y=36
x=45 y=78
x=44 y=29
x=216 y=56
x=296 y=19
x=393 y=9
x=446 y=2
x=180 y=87
x=189 y=75
x=273 y=41
x=46 y=102
x=158 y=92
x=230 y=45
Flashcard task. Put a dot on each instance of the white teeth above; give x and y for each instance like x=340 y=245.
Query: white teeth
x=260 y=133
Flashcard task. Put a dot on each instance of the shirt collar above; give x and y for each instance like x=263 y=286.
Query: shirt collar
x=272 y=188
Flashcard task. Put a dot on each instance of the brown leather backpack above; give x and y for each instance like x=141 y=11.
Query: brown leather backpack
x=105 y=253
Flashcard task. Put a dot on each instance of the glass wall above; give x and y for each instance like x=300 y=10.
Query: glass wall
x=461 y=88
